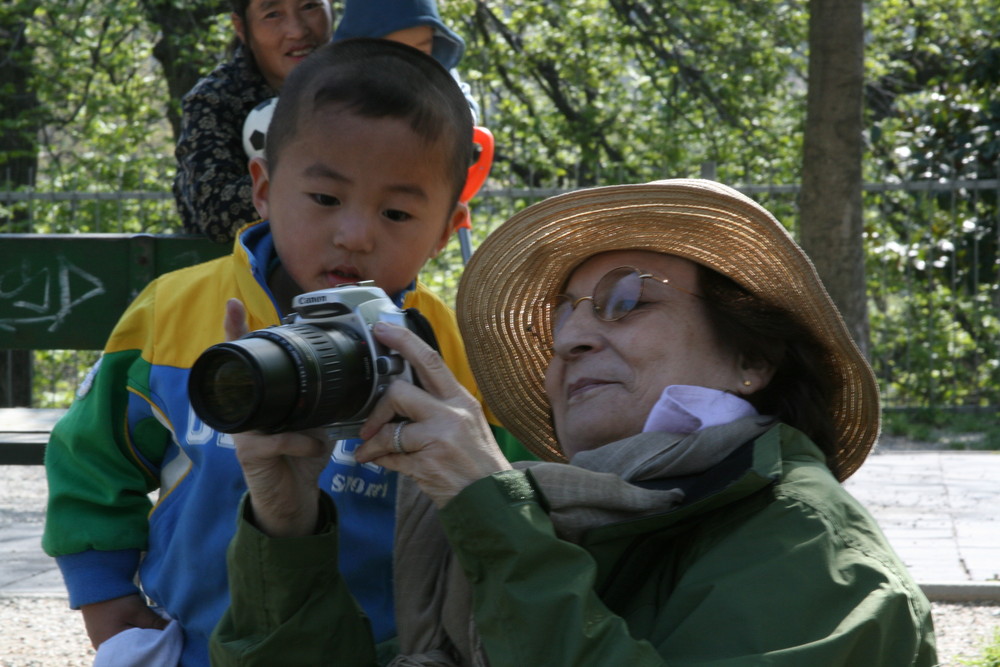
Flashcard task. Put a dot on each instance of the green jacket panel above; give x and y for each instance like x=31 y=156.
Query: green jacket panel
x=793 y=572
x=770 y=563
x=281 y=629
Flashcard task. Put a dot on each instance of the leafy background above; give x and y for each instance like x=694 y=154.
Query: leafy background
x=581 y=93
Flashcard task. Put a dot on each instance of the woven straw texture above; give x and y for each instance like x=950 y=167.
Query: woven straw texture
x=525 y=262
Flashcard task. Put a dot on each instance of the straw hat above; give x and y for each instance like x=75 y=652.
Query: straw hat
x=525 y=262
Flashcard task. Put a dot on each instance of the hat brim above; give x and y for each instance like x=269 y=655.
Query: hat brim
x=525 y=262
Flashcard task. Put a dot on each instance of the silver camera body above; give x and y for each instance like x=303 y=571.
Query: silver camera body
x=321 y=367
x=358 y=307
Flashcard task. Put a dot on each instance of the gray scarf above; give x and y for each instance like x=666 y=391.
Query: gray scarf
x=433 y=597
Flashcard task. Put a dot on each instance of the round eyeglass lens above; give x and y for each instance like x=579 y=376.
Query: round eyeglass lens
x=618 y=293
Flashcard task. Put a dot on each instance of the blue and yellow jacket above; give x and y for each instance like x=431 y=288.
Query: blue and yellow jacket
x=132 y=431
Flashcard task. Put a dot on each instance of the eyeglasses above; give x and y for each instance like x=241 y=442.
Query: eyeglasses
x=616 y=295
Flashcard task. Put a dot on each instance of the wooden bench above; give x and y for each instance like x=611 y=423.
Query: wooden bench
x=66 y=292
x=24 y=433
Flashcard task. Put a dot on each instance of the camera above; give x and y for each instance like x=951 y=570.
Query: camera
x=321 y=367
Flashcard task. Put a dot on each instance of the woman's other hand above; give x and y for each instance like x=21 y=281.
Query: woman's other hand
x=445 y=435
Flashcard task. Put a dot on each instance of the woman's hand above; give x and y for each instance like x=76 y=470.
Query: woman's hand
x=446 y=437
x=281 y=470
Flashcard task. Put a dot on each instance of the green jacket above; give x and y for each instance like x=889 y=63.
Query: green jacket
x=768 y=561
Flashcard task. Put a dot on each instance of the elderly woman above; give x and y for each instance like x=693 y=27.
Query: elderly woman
x=675 y=347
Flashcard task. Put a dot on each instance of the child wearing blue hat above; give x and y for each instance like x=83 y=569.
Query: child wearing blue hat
x=415 y=23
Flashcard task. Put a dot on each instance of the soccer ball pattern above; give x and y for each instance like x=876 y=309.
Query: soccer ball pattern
x=255 y=128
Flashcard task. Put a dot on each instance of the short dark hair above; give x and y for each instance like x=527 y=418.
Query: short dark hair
x=378 y=78
x=239 y=7
x=800 y=392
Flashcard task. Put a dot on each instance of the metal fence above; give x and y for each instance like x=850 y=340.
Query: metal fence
x=933 y=273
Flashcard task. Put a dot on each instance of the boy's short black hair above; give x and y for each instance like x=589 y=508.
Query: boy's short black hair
x=378 y=78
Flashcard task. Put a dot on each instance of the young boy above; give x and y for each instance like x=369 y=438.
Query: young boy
x=365 y=159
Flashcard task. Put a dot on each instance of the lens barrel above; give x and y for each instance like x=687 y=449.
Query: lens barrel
x=285 y=378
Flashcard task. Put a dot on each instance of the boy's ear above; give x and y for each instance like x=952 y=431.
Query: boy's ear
x=261 y=186
x=459 y=218
x=238 y=26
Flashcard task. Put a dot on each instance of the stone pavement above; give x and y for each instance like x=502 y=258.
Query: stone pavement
x=939 y=509
x=941 y=512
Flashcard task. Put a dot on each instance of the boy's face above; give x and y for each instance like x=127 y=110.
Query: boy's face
x=356 y=198
x=420 y=37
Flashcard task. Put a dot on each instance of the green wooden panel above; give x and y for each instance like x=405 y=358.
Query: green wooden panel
x=24 y=432
x=66 y=291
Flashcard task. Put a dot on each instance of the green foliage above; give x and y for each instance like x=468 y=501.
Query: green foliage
x=951 y=429
x=990 y=656
x=592 y=92
x=58 y=374
x=934 y=113
x=937 y=344
x=104 y=102
x=586 y=92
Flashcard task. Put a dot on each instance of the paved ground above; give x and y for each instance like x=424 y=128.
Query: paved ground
x=940 y=510
x=24 y=568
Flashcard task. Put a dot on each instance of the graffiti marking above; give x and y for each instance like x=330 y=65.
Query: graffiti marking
x=24 y=278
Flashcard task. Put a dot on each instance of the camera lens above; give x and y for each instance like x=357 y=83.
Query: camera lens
x=233 y=390
x=243 y=385
x=282 y=379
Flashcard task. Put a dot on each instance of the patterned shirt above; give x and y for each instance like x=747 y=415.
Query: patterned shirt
x=213 y=186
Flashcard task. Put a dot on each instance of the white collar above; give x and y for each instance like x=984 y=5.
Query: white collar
x=687 y=409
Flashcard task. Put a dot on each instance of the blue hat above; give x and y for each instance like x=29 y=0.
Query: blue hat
x=378 y=18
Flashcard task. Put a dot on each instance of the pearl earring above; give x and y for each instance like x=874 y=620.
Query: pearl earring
x=747 y=383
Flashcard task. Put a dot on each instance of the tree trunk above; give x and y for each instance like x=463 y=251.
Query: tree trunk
x=831 y=225
x=179 y=49
x=18 y=164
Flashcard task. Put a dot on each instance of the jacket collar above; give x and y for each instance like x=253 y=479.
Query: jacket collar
x=756 y=464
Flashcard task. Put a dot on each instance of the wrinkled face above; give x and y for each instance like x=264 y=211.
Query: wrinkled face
x=280 y=33
x=420 y=37
x=605 y=377
x=355 y=198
